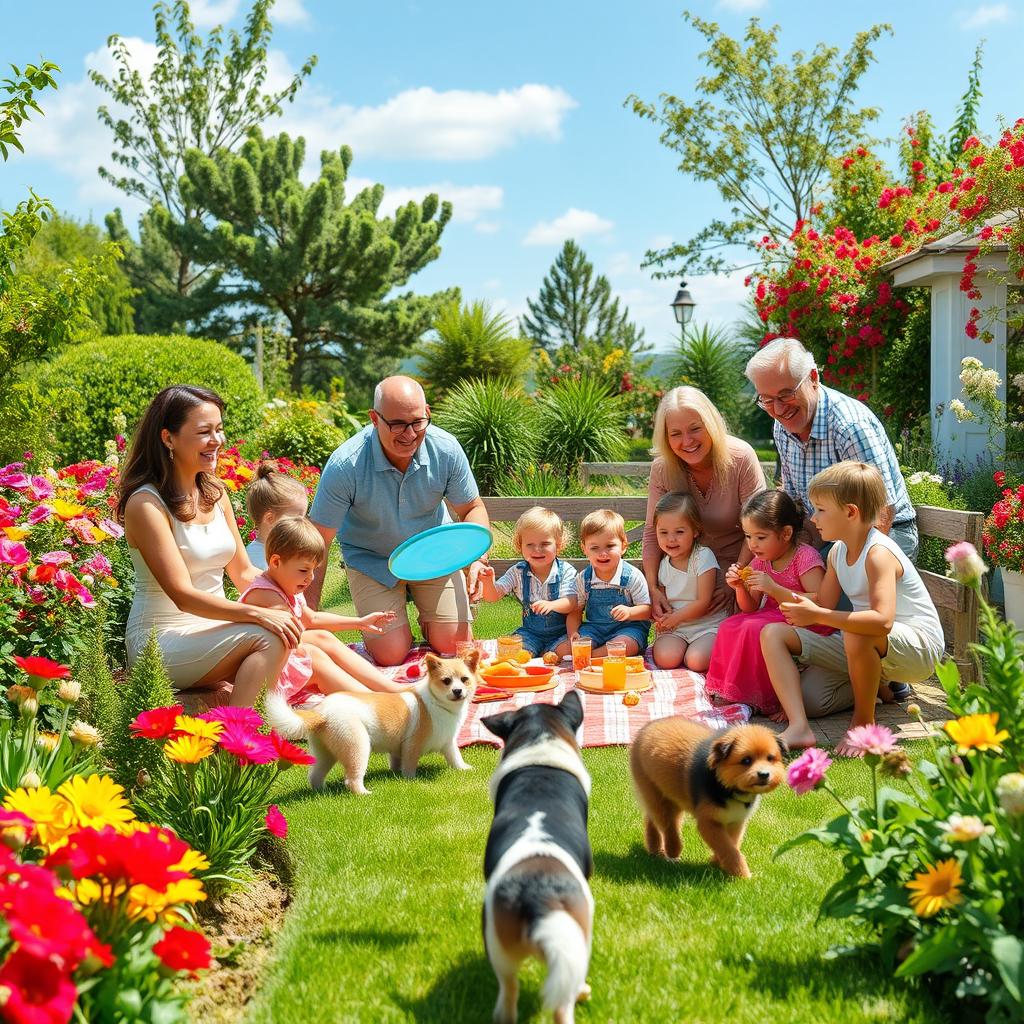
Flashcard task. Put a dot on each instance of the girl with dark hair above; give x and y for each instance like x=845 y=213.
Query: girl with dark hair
x=771 y=523
x=182 y=536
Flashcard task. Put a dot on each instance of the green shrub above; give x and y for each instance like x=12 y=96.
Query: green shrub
x=146 y=687
x=534 y=482
x=100 y=700
x=297 y=432
x=929 y=489
x=580 y=421
x=125 y=372
x=492 y=422
x=28 y=422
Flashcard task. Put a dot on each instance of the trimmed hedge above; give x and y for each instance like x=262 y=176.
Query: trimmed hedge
x=297 y=434
x=125 y=372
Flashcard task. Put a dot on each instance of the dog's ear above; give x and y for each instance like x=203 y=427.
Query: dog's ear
x=472 y=660
x=432 y=661
x=572 y=709
x=720 y=750
x=783 y=748
x=500 y=725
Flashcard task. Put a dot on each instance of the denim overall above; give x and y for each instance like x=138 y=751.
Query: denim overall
x=599 y=625
x=542 y=633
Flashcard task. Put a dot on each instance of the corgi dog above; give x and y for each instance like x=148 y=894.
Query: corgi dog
x=347 y=727
x=537 y=900
x=679 y=765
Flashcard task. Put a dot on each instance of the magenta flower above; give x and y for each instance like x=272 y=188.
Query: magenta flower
x=38 y=514
x=249 y=747
x=56 y=558
x=243 y=718
x=11 y=477
x=98 y=565
x=40 y=488
x=114 y=529
x=965 y=562
x=869 y=739
x=276 y=823
x=12 y=553
x=808 y=770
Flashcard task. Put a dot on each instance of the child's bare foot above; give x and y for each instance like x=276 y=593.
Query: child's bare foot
x=779 y=716
x=798 y=739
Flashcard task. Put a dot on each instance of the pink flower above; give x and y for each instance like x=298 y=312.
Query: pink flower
x=114 y=529
x=249 y=747
x=12 y=553
x=56 y=558
x=98 y=565
x=38 y=514
x=288 y=753
x=11 y=477
x=966 y=563
x=808 y=770
x=40 y=488
x=870 y=739
x=276 y=823
x=244 y=718
x=82 y=529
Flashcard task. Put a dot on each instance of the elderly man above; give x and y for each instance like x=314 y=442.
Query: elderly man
x=382 y=486
x=816 y=427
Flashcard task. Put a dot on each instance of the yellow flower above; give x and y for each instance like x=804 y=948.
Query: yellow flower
x=97 y=801
x=612 y=358
x=976 y=732
x=51 y=813
x=84 y=734
x=198 y=727
x=48 y=741
x=65 y=510
x=192 y=862
x=149 y=904
x=188 y=749
x=936 y=889
x=16 y=533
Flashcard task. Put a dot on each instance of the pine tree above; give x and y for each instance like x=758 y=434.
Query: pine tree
x=575 y=306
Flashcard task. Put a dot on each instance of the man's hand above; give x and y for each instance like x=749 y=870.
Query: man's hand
x=801 y=611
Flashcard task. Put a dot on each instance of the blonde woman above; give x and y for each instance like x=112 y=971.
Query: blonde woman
x=695 y=454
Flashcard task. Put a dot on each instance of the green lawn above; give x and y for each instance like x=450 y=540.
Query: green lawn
x=385 y=924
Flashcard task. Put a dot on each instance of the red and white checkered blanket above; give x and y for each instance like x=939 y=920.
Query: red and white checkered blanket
x=606 y=720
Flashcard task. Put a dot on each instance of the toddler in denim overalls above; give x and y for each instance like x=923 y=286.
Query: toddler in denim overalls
x=612 y=593
x=544 y=583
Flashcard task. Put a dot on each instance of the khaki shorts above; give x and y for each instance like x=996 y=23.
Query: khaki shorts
x=911 y=656
x=444 y=599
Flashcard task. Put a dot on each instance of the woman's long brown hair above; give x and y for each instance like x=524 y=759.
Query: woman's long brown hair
x=149 y=462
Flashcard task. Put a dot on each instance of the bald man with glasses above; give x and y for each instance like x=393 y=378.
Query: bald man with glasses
x=395 y=478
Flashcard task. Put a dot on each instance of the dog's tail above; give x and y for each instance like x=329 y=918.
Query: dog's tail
x=291 y=723
x=566 y=953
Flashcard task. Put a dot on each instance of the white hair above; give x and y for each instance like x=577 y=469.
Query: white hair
x=783 y=354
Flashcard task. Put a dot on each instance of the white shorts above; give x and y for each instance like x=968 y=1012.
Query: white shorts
x=910 y=658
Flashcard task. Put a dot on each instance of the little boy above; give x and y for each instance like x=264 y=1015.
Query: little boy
x=893 y=632
x=613 y=593
x=544 y=583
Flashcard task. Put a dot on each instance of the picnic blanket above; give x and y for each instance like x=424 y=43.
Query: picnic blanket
x=606 y=720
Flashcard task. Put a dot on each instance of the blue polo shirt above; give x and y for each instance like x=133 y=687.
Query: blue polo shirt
x=374 y=506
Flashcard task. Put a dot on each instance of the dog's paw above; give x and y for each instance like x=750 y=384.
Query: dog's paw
x=357 y=788
x=463 y=767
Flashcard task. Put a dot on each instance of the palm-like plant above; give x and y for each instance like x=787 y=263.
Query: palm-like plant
x=580 y=421
x=472 y=342
x=534 y=482
x=491 y=421
x=707 y=358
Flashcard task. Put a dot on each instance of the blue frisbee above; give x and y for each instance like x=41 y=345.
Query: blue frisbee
x=439 y=551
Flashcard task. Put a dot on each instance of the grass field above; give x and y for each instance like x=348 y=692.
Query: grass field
x=385 y=925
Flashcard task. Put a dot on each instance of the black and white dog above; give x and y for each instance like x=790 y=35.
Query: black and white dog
x=538 y=860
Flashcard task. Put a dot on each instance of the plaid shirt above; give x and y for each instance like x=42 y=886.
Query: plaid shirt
x=562 y=573
x=843 y=428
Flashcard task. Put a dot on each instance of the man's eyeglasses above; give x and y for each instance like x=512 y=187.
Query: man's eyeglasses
x=398 y=427
x=785 y=397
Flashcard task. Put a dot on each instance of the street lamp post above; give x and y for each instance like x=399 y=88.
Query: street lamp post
x=682 y=305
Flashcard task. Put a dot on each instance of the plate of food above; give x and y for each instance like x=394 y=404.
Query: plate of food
x=521 y=678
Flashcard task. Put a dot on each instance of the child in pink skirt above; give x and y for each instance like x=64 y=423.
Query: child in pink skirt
x=771 y=521
x=294 y=549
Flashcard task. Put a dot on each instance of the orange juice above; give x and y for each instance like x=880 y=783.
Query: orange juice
x=509 y=646
x=581 y=648
x=613 y=673
x=634 y=664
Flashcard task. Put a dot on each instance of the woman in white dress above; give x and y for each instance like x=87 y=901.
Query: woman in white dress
x=182 y=535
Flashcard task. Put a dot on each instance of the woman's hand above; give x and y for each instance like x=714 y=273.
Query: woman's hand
x=279 y=622
x=659 y=603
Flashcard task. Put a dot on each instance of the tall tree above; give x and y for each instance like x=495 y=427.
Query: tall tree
x=21 y=91
x=575 y=306
x=326 y=266
x=199 y=95
x=762 y=132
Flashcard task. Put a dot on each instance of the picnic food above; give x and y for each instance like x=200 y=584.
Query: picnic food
x=523 y=657
x=631 y=698
x=634 y=664
x=550 y=658
x=745 y=573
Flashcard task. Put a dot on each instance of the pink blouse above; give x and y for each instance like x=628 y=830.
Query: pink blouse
x=806 y=558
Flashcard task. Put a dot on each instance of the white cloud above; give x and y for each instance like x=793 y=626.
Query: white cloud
x=424 y=124
x=572 y=224
x=289 y=12
x=468 y=201
x=207 y=13
x=487 y=227
x=742 y=6
x=986 y=14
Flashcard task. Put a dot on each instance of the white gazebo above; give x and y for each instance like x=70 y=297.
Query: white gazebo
x=939 y=265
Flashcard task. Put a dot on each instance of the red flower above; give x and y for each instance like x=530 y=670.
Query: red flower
x=183 y=950
x=156 y=724
x=276 y=823
x=290 y=753
x=42 y=668
x=142 y=858
x=999 y=477
x=249 y=747
x=39 y=992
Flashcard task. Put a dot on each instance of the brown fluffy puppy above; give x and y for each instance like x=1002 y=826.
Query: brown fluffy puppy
x=682 y=766
x=346 y=727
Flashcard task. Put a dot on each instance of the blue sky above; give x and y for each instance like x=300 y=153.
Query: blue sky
x=513 y=111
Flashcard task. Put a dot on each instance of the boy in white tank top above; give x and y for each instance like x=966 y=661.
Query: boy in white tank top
x=893 y=632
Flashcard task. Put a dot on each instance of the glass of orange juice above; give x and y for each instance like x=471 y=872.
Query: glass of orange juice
x=581 y=648
x=509 y=647
x=613 y=668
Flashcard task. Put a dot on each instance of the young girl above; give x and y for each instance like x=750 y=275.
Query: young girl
x=321 y=663
x=271 y=495
x=543 y=582
x=688 y=575
x=771 y=522
x=613 y=592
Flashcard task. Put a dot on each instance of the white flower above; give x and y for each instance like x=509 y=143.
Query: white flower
x=1018 y=381
x=964 y=828
x=960 y=411
x=1010 y=793
x=916 y=478
x=935 y=478
x=69 y=691
x=84 y=734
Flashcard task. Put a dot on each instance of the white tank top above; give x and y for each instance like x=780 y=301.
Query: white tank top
x=914 y=605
